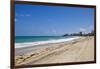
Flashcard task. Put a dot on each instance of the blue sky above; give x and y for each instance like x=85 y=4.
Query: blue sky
x=39 y=20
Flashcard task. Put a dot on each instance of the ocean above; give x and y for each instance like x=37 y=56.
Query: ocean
x=25 y=41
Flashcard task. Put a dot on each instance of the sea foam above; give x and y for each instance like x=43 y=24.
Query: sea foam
x=28 y=44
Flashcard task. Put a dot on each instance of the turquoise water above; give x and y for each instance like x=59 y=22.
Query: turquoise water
x=23 y=39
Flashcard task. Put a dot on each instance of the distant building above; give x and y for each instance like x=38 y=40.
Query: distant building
x=80 y=33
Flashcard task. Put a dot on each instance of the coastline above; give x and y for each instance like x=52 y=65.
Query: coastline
x=29 y=44
x=81 y=49
x=21 y=48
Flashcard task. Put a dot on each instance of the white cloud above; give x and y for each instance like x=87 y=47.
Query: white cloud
x=15 y=20
x=23 y=15
x=88 y=29
x=28 y=15
x=82 y=29
x=91 y=27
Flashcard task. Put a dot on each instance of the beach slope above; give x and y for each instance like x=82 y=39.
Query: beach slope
x=79 y=50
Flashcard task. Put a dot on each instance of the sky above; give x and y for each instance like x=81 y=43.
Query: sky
x=42 y=20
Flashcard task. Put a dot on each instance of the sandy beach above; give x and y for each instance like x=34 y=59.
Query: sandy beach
x=77 y=50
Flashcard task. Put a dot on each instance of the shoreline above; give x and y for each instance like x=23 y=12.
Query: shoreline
x=56 y=52
x=29 y=48
x=36 y=43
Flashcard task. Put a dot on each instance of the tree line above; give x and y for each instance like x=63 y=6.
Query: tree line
x=81 y=34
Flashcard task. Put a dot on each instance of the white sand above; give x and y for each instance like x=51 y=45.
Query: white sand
x=75 y=51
